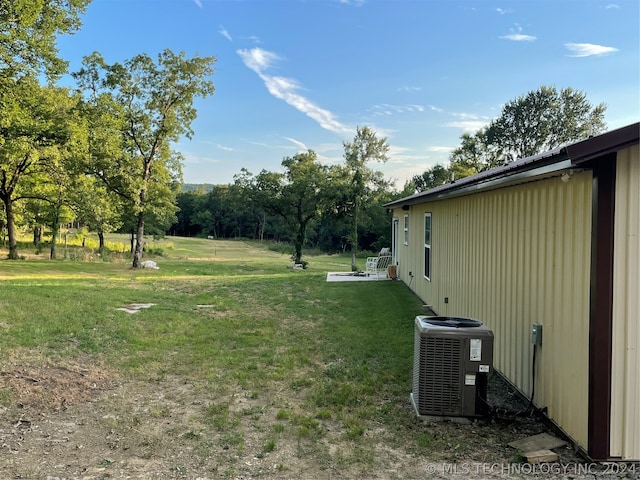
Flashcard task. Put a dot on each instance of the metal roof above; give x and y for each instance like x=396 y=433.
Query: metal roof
x=572 y=155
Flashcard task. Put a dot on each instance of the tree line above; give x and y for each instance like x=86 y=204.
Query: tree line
x=331 y=208
x=101 y=153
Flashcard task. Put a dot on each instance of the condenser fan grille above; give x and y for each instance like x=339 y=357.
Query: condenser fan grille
x=437 y=376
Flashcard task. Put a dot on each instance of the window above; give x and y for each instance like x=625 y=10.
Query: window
x=427 y=246
x=406 y=229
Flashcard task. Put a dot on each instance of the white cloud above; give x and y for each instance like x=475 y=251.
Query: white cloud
x=198 y=3
x=260 y=60
x=404 y=163
x=516 y=35
x=356 y=3
x=588 y=49
x=503 y=11
x=439 y=149
x=433 y=108
x=612 y=6
x=470 y=116
x=193 y=159
x=386 y=109
x=470 y=126
x=222 y=147
x=409 y=89
x=225 y=33
x=301 y=146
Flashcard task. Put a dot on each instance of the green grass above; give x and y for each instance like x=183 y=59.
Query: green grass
x=302 y=357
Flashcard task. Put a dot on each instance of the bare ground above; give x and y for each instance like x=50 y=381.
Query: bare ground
x=81 y=421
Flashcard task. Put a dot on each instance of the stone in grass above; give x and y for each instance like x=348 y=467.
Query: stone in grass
x=135 y=307
x=150 y=264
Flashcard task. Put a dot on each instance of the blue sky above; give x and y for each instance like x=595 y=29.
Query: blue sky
x=293 y=75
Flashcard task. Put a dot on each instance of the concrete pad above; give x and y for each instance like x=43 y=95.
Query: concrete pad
x=542 y=441
x=353 y=277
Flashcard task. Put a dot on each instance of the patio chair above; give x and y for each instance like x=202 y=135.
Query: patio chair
x=378 y=265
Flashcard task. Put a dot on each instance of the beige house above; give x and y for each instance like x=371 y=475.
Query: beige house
x=554 y=240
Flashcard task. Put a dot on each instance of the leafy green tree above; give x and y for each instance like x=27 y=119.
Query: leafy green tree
x=358 y=180
x=474 y=155
x=29 y=31
x=27 y=111
x=96 y=207
x=36 y=123
x=156 y=100
x=542 y=120
x=431 y=178
x=60 y=167
x=247 y=213
x=297 y=195
x=190 y=207
x=48 y=192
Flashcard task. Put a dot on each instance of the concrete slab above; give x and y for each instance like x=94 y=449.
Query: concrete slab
x=353 y=277
x=542 y=441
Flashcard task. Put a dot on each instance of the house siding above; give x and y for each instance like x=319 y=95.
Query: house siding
x=625 y=381
x=512 y=257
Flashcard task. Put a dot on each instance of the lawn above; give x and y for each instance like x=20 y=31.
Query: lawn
x=239 y=368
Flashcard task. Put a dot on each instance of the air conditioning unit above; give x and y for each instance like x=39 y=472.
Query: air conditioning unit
x=452 y=359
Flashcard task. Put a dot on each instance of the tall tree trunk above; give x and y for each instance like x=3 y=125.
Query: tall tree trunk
x=299 y=240
x=298 y=248
x=101 y=240
x=137 y=255
x=37 y=235
x=55 y=230
x=11 y=228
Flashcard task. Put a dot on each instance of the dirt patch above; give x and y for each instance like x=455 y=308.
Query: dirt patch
x=49 y=387
x=80 y=421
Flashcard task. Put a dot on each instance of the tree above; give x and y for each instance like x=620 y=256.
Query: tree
x=431 y=178
x=191 y=204
x=360 y=179
x=35 y=124
x=297 y=196
x=474 y=155
x=542 y=120
x=29 y=30
x=59 y=167
x=96 y=207
x=156 y=101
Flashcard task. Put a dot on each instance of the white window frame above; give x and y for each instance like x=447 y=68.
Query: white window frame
x=406 y=229
x=428 y=241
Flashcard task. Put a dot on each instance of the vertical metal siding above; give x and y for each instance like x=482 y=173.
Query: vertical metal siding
x=625 y=381
x=511 y=257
